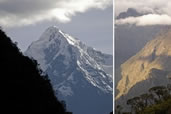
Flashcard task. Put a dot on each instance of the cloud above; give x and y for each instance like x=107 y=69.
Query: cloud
x=155 y=6
x=159 y=9
x=146 y=20
x=26 y=12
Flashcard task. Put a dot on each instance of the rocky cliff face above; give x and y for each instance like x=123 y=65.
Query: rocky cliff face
x=130 y=39
x=149 y=67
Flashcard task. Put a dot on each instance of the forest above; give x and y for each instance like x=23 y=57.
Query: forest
x=156 y=101
x=25 y=88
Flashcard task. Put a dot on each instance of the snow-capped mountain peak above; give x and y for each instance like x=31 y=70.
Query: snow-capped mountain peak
x=54 y=32
x=54 y=44
x=73 y=68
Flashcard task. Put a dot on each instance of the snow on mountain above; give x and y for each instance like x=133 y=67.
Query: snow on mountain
x=74 y=67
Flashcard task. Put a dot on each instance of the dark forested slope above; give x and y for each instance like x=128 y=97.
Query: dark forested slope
x=25 y=88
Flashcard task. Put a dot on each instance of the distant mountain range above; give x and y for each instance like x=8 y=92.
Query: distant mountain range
x=81 y=75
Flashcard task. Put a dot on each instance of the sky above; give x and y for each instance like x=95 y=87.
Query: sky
x=156 y=12
x=88 y=20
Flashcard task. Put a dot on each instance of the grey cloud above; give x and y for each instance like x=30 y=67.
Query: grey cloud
x=26 y=12
x=159 y=12
x=26 y=7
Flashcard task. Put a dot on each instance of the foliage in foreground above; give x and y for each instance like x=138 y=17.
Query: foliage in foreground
x=156 y=101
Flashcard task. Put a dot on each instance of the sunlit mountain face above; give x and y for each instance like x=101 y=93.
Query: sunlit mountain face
x=142 y=60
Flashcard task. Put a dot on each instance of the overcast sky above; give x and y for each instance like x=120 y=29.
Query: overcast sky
x=88 y=20
x=158 y=12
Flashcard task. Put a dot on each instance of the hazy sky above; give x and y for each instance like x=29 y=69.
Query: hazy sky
x=88 y=20
x=157 y=12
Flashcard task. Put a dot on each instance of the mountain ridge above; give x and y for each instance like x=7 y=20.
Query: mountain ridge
x=149 y=67
x=74 y=67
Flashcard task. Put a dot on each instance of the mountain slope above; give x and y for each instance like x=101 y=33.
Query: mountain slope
x=80 y=73
x=130 y=39
x=149 y=67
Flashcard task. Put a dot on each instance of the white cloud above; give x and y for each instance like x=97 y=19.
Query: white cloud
x=26 y=12
x=160 y=11
x=146 y=20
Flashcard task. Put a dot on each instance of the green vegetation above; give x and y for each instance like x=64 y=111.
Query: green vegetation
x=164 y=107
x=156 y=101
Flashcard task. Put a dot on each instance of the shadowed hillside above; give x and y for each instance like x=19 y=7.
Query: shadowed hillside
x=25 y=87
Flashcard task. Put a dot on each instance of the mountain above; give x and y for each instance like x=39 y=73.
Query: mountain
x=81 y=75
x=148 y=68
x=130 y=39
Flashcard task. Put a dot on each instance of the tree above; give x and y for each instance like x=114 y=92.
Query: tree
x=118 y=109
x=136 y=104
x=25 y=87
x=147 y=104
x=111 y=112
x=169 y=88
x=160 y=91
